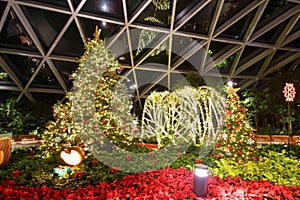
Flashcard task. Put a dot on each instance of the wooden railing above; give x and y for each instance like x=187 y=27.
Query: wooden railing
x=278 y=139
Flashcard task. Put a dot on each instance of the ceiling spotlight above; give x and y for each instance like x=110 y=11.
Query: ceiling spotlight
x=231 y=83
x=104 y=23
x=104 y=7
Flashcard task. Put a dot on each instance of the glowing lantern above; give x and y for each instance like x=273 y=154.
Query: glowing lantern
x=289 y=92
x=73 y=156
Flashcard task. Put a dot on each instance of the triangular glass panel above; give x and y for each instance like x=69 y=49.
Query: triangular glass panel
x=107 y=29
x=250 y=53
x=66 y=69
x=200 y=22
x=215 y=48
x=151 y=44
x=253 y=70
x=104 y=8
x=229 y=9
x=45 y=79
x=46 y=24
x=272 y=35
x=193 y=61
x=225 y=65
x=273 y=10
x=294 y=44
x=4 y=95
x=147 y=78
x=157 y=13
x=133 y=6
x=76 y=3
x=70 y=43
x=190 y=78
x=186 y=66
x=51 y=3
x=280 y=55
x=22 y=66
x=181 y=43
x=161 y=86
x=13 y=35
x=2 y=7
x=239 y=28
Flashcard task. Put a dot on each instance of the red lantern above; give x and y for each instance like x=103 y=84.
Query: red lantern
x=289 y=92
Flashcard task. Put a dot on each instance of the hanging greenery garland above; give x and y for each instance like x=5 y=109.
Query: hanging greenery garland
x=147 y=36
x=162 y=4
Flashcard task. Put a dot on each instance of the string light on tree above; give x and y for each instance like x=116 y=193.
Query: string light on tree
x=236 y=139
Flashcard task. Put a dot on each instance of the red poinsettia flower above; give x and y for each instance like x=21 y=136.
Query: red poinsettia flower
x=216 y=155
x=128 y=156
x=198 y=160
x=77 y=174
x=15 y=173
x=114 y=170
x=94 y=162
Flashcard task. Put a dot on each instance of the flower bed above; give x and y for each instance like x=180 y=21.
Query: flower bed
x=158 y=184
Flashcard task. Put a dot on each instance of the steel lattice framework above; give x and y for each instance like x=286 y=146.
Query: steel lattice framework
x=249 y=40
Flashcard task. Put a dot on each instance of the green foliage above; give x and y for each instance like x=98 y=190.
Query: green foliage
x=3 y=76
x=32 y=170
x=12 y=119
x=192 y=79
x=36 y=171
x=278 y=168
x=292 y=151
x=268 y=107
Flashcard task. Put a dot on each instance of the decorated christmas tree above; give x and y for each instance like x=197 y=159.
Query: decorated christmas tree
x=60 y=133
x=63 y=132
x=236 y=139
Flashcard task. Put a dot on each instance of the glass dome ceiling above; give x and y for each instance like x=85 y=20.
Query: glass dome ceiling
x=246 y=40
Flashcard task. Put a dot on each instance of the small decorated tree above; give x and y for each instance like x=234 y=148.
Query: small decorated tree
x=236 y=139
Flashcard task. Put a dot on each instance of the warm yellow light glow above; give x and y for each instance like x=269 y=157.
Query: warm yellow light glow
x=201 y=172
x=72 y=156
x=1 y=157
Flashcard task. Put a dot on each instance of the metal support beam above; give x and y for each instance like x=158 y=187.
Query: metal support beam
x=186 y=16
x=15 y=78
x=247 y=35
x=238 y=16
x=275 y=22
